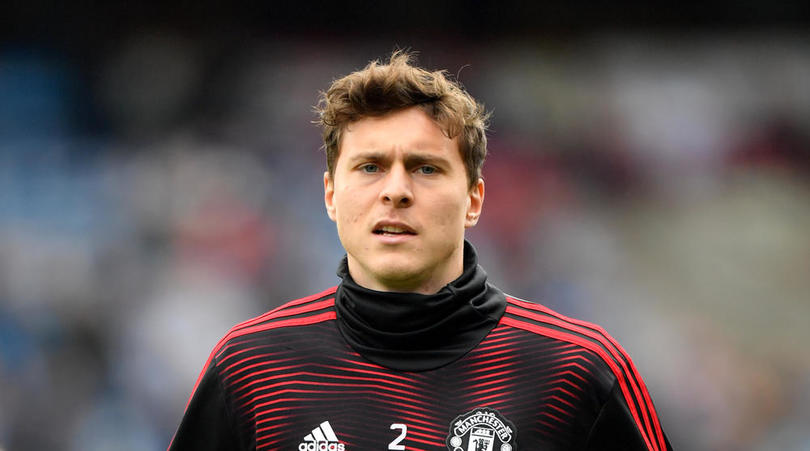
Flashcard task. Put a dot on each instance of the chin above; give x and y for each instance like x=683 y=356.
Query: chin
x=396 y=271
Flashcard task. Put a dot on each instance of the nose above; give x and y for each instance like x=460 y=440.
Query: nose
x=397 y=188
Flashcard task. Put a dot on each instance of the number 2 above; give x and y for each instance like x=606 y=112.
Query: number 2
x=395 y=444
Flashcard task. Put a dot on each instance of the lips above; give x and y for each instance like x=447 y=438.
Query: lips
x=387 y=228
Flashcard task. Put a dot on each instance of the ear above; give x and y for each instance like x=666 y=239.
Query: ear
x=329 y=195
x=476 y=204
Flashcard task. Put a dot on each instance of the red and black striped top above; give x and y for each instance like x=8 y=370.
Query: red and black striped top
x=536 y=380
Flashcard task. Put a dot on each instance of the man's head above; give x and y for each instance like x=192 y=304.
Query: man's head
x=379 y=89
x=399 y=184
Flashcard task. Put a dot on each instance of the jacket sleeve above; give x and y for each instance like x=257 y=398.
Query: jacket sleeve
x=207 y=423
x=615 y=429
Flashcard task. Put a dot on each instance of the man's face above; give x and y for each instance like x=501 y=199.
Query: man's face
x=401 y=201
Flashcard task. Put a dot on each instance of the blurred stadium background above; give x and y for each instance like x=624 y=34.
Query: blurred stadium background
x=160 y=180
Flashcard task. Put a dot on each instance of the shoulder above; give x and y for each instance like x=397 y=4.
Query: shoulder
x=543 y=321
x=309 y=310
x=628 y=386
x=247 y=341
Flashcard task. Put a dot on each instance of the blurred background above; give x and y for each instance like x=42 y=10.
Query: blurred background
x=161 y=180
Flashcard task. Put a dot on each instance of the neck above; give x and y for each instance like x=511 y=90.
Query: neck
x=416 y=332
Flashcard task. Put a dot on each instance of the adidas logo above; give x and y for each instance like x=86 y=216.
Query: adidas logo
x=322 y=438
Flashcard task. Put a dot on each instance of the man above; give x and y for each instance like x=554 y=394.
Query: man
x=414 y=350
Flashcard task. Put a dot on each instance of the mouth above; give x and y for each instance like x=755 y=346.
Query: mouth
x=393 y=230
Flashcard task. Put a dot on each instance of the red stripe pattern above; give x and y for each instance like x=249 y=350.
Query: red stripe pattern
x=286 y=372
x=544 y=321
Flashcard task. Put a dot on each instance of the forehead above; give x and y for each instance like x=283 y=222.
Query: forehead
x=408 y=129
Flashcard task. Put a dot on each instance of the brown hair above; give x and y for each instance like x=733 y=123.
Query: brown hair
x=379 y=89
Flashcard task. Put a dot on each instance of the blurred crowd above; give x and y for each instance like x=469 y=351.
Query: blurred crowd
x=657 y=185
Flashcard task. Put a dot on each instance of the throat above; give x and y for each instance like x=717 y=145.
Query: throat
x=416 y=332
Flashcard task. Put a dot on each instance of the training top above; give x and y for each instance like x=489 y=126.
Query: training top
x=466 y=369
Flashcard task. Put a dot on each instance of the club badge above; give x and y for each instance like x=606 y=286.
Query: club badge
x=482 y=429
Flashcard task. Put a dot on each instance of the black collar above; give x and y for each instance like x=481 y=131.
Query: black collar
x=417 y=332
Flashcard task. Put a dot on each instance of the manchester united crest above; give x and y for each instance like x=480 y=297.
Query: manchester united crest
x=482 y=429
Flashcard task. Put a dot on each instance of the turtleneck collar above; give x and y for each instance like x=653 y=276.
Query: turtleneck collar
x=418 y=332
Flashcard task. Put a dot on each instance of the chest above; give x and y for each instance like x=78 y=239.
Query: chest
x=503 y=396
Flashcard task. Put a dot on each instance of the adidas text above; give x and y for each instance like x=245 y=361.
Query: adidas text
x=321 y=446
x=322 y=438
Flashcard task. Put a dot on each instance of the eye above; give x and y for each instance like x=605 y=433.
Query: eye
x=427 y=170
x=369 y=168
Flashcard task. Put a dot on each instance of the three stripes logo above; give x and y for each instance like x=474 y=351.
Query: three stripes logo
x=322 y=438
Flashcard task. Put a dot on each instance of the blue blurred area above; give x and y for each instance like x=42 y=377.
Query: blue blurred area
x=656 y=184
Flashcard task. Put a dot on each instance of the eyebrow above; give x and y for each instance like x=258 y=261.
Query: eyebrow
x=371 y=156
x=411 y=158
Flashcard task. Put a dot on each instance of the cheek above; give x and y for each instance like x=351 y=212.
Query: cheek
x=450 y=212
x=349 y=210
x=351 y=219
